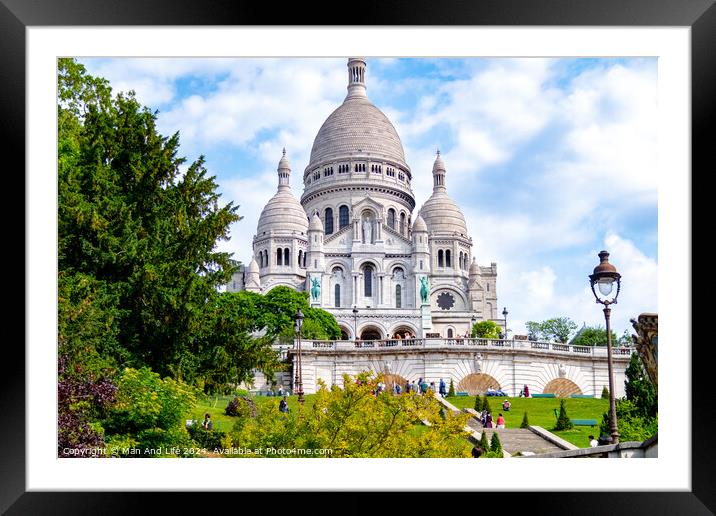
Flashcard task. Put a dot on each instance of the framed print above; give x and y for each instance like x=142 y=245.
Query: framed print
x=412 y=60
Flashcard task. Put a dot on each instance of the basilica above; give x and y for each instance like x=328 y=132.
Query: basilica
x=355 y=242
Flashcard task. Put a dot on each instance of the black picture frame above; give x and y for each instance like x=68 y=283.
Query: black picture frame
x=17 y=15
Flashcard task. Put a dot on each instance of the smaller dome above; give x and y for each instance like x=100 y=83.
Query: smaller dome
x=316 y=224
x=253 y=267
x=283 y=214
x=474 y=268
x=439 y=164
x=419 y=225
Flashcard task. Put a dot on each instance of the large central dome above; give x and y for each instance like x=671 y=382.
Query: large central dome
x=357 y=128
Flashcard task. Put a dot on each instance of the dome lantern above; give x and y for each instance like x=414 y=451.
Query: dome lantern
x=438 y=173
x=284 y=172
x=356 y=77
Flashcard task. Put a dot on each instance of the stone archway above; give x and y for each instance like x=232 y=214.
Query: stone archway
x=402 y=329
x=370 y=333
x=561 y=388
x=345 y=332
x=477 y=383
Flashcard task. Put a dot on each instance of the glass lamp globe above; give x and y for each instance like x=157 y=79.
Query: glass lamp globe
x=606 y=285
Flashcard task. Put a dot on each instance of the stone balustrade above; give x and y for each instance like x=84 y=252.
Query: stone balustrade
x=461 y=343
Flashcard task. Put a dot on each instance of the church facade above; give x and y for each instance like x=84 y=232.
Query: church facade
x=356 y=243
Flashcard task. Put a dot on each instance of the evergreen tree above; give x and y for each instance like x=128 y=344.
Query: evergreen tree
x=486 y=404
x=451 y=390
x=605 y=393
x=525 y=422
x=495 y=444
x=478 y=403
x=563 y=421
x=132 y=219
x=484 y=443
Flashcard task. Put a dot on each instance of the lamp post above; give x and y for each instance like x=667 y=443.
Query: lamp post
x=472 y=323
x=299 y=379
x=604 y=276
x=355 y=323
x=504 y=314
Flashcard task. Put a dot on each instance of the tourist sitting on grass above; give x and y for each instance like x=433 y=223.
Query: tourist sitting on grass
x=506 y=405
x=283 y=406
x=490 y=391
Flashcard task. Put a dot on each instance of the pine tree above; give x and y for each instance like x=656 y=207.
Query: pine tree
x=605 y=393
x=484 y=443
x=451 y=390
x=495 y=444
x=478 y=403
x=486 y=404
x=525 y=422
x=563 y=421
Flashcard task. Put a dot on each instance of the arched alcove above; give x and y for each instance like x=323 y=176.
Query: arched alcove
x=561 y=388
x=477 y=383
x=370 y=333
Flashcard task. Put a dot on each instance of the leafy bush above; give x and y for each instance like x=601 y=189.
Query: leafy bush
x=605 y=393
x=150 y=410
x=563 y=421
x=204 y=438
x=241 y=406
x=484 y=442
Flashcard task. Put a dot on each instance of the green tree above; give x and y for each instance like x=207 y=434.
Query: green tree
x=478 y=403
x=605 y=393
x=484 y=442
x=131 y=217
x=486 y=330
x=563 y=421
x=226 y=351
x=534 y=330
x=525 y=421
x=593 y=336
x=353 y=422
x=486 y=404
x=495 y=444
x=451 y=390
x=639 y=389
x=278 y=316
x=558 y=329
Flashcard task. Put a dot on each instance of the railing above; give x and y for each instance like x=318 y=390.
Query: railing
x=462 y=343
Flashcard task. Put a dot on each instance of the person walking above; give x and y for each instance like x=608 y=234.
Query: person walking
x=443 y=392
x=488 y=420
x=500 y=421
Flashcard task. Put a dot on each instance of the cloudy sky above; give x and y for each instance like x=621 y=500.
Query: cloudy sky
x=551 y=160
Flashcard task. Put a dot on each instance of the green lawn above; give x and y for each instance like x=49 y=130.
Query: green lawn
x=215 y=406
x=540 y=412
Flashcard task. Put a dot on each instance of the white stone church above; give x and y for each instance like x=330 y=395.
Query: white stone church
x=354 y=242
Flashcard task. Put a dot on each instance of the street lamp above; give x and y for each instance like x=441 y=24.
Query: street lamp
x=604 y=276
x=504 y=314
x=355 y=323
x=299 y=379
x=472 y=323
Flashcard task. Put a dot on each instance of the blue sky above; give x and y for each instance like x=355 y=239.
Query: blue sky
x=551 y=160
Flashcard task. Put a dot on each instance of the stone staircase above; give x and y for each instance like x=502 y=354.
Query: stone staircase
x=513 y=440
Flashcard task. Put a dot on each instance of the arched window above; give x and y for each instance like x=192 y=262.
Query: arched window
x=279 y=257
x=342 y=217
x=398 y=300
x=460 y=262
x=337 y=302
x=391 y=218
x=304 y=259
x=329 y=221
x=300 y=257
x=448 y=263
x=286 y=256
x=266 y=260
x=368 y=281
x=402 y=223
x=449 y=333
x=440 y=258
